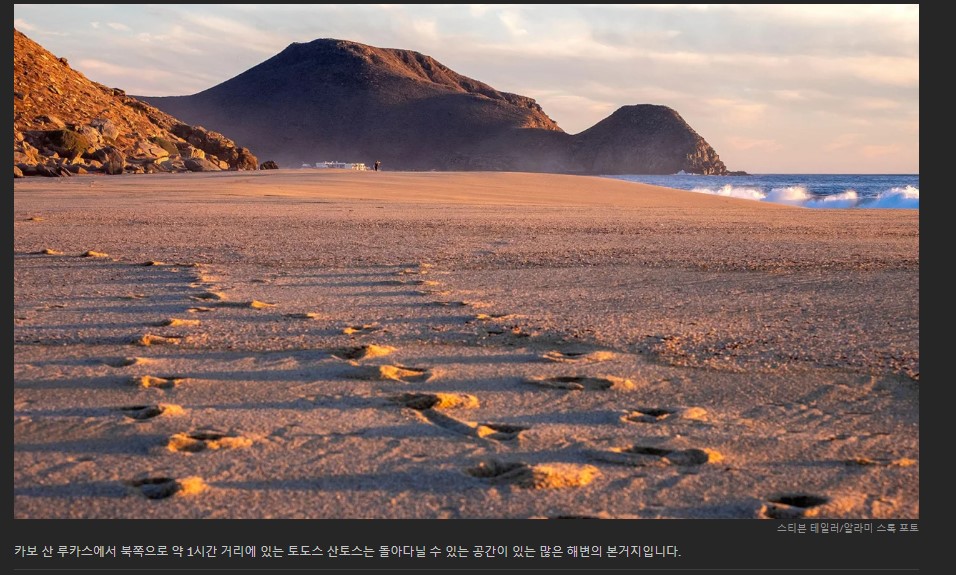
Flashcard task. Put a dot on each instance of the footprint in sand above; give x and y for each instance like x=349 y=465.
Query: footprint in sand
x=514 y=332
x=304 y=315
x=149 y=381
x=401 y=373
x=500 y=431
x=363 y=352
x=580 y=382
x=199 y=309
x=210 y=296
x=134 y=296
x=539 y=476
x=92 y=254
x=254 y=304
x=432 y=292
x=152 y=339
x=658 y=414
x=361 y=329
x=452 y=303
x=422 y=267
x=642 y=455
x=578 y=357
x=200 y=278
x=422 y=401
x=496 y=431
x=144 y=412
x=176 y=322
x=126 y=361
x=793 y=506
x=201 y=440
x=163 y=487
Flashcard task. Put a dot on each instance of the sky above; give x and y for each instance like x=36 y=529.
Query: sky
x=773 y=88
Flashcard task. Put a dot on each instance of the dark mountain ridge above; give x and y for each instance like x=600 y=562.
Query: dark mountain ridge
x=340 y=100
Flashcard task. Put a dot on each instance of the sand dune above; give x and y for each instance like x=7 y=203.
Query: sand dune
x=325 y=344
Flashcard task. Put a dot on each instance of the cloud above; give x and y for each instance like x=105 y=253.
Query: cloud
x=229 y=31
x=118 y=26
x=23 y=26
x=425 y=28
x=512 y=21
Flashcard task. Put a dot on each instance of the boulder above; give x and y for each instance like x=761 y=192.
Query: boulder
x=143 y=150
x=112 y=159
x=200 y=165
x=105 y=127
x=246 y=161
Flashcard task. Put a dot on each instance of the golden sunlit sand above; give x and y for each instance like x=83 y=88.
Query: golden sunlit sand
x=640 y=352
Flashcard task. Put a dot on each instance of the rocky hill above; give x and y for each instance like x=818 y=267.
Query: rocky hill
x=339 y=100
x=644 y=139
x=65 y=124
x=336 y=100
x=327 y=100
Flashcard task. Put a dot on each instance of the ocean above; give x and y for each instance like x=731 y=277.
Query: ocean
x=807 y=190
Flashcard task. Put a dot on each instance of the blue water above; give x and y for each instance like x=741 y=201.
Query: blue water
x=807 y=190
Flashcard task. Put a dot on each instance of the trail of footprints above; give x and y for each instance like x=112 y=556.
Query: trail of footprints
x=446 y=410
x=432 y=408
x=170 y=332
x=190 y=442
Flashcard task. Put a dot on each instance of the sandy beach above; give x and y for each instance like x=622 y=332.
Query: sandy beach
x=342 y=344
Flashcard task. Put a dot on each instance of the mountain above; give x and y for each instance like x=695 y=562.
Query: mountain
x=644 y=139
x=336 y=100
x=65 y=124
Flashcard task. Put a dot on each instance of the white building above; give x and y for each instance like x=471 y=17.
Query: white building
x=340 y=165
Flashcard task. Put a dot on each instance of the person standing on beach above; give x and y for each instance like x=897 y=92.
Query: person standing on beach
x=377 y=164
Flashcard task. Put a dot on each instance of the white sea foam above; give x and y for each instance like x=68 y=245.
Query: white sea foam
x=906 y=197
x=895 y=198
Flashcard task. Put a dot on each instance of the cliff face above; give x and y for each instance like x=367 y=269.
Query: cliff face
x=65 y=124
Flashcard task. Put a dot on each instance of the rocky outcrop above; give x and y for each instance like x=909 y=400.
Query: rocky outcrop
x=64 y=124
x=644 y=139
